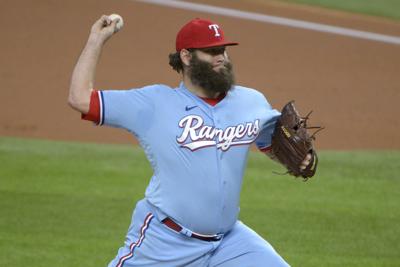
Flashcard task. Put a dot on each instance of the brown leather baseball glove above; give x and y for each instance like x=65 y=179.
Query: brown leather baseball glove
x=291 y=142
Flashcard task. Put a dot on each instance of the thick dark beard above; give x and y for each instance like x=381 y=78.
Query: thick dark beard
x=202 y=74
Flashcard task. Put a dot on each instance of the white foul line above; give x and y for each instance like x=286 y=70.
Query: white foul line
x=276 y=20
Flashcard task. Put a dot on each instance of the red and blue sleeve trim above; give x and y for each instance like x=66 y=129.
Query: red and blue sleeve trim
x=101 y=100
x=96 y=108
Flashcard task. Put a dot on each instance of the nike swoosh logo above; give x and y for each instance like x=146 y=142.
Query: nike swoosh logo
x=187 y=108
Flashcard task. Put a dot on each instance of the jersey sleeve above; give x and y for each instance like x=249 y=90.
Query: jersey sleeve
x=263 y=141
x=131 y=109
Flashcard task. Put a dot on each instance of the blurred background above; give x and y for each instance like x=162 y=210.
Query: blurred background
x=352 y=84
x=67 y=187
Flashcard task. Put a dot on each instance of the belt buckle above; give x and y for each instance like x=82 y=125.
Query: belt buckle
x=216 y=237
x=219 y=236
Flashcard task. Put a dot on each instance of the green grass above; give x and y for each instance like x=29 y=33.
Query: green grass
x=69 y=204
x=382 y=8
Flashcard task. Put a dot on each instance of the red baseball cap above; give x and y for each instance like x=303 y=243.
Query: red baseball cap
x=201 y=33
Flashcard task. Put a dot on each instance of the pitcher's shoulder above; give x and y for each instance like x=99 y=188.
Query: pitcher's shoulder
x=247 y=92
x=160 y=90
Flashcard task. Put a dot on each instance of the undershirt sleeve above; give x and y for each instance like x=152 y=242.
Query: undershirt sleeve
x=266 y=149
x=94 y=108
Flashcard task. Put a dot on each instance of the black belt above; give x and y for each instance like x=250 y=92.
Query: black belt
x=176 y=227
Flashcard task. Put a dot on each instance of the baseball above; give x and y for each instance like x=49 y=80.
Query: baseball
x=120 y=23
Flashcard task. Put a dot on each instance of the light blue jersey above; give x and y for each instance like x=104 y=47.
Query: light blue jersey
x=198 y=152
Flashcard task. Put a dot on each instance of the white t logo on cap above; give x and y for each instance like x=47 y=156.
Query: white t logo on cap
x=215 y=27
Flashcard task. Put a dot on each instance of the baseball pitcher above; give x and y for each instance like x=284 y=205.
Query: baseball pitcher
x=197 y=138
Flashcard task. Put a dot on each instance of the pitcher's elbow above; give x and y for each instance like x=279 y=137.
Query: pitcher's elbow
x=81 y=106
x=72 y=102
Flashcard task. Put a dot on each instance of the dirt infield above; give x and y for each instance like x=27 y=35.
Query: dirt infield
x=353 y=85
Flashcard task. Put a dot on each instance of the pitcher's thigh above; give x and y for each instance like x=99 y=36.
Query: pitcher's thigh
x=245 y=248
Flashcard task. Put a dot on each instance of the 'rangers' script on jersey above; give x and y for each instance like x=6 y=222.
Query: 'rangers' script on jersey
x=204 y=135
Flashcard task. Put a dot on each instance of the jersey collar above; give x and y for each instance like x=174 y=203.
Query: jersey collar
x=199 y=99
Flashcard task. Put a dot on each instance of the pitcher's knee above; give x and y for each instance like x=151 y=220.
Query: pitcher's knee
x=267 y=259
x=256 y=259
